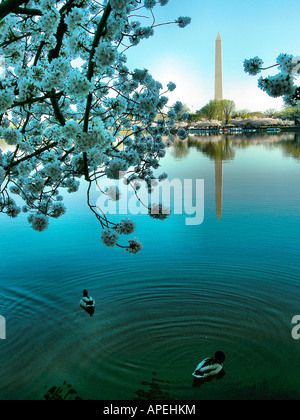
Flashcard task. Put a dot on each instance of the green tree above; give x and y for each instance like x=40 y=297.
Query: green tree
x=291 y=113
x=228 y=108
x=210 y=110
x=242 y=113
x=220 y=110
x=270 y=113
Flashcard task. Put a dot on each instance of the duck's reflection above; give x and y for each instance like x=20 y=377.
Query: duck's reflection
x=90 y=311
x=198 y=382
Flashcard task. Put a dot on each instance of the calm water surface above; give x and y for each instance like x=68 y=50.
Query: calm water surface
x=231 y=284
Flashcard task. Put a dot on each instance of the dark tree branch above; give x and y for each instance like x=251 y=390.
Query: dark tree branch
x=57 y=111
x=90 y=72
x=34 y=154
x=8 y=6
x=53 y=95
x=98 y=35
x=38 y=53
x=54 y=53
x=28 y=12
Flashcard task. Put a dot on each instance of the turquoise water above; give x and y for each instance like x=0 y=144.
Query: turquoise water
x=231 y=284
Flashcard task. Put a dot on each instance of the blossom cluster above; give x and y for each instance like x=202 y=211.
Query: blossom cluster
x=282 y=84
x=278 y=85
x=70 y=108
x=253 y=66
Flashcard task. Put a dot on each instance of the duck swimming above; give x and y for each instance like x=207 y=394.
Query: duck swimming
x=210 y=367
x=87 y=303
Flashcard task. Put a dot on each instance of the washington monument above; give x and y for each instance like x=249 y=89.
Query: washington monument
x=218 y=70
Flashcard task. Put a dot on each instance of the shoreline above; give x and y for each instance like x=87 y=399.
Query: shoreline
x=243 y=128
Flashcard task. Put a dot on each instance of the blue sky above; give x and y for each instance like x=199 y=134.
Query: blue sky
x=186 y=56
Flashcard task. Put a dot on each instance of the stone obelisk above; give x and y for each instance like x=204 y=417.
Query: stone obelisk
x=218 y=70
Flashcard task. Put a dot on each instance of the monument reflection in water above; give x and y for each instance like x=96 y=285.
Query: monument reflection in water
x=221 y=148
